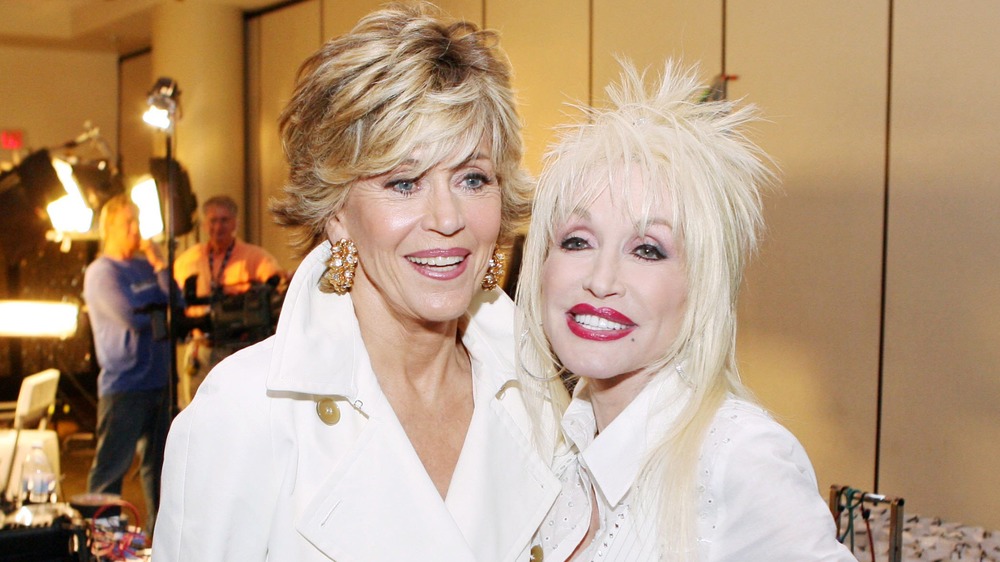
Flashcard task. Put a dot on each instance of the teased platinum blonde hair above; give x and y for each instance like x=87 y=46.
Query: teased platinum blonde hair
x=691 y=154
x=403 y=78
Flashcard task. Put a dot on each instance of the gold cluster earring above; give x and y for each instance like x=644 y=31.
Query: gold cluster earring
x=341 y=265
x=494 y=273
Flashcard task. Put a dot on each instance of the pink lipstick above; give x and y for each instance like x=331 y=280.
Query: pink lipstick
x=442 y=264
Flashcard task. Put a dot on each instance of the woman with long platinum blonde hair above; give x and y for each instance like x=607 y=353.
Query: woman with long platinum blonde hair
x=644 y=219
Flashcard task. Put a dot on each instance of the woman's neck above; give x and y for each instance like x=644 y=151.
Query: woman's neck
x=426 y=376
x=609 y=397
x=415 y=354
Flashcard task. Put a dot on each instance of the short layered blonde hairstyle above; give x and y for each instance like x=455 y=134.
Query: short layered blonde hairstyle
x=403 y=78
x=692 y=153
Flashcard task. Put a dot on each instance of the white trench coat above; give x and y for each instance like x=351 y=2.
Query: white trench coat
x=253 y=473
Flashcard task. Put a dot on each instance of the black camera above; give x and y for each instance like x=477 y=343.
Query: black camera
x=242 y=318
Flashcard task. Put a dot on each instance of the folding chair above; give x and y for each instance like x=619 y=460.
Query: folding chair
x=29 y=416
x=35 y=401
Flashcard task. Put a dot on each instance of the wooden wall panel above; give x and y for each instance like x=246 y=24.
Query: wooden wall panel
x=340 y=16
x=809 y=330
x=942 y=361
x=275 y=54
x=648 y=33
x=547 y=45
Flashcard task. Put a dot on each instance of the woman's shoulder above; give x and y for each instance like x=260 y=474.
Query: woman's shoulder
x=758 y=489
x=739 y=419
x=745 y=439
x=236 y=384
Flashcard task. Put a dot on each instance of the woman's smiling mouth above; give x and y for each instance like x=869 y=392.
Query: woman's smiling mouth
x=598 y=324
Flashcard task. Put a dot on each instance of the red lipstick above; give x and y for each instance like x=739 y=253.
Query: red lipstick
x=593 y=329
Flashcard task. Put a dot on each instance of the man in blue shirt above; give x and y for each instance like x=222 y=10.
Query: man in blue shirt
x=133 y=411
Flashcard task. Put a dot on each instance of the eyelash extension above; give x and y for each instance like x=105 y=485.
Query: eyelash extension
x=660 y=254
x=578 y=239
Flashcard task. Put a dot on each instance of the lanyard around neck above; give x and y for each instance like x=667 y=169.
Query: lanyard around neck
x=217 y=278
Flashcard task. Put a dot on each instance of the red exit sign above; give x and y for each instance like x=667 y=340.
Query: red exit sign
x=11 y=139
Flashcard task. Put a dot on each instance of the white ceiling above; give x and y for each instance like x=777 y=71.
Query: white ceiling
x=121 y=26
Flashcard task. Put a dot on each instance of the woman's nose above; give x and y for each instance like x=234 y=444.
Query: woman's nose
x=604 y=278
x=444 y=213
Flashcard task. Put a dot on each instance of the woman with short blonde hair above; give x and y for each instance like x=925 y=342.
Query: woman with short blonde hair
x=383 y=421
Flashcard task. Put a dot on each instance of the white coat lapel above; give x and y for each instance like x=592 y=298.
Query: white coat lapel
x=505 y=490
x=383 y=482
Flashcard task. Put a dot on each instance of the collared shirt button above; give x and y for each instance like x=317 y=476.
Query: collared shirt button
x=328 y=411
x=536 y=553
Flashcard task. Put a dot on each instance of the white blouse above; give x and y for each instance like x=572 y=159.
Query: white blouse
x=757 y=492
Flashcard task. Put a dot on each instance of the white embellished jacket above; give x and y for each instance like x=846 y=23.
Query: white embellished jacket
x=757 y=496
x=252 y=472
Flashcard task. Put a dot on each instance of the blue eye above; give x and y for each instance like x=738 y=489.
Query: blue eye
x=403 y=186
x=475 y=181
x=649 y=252
x=574 y=243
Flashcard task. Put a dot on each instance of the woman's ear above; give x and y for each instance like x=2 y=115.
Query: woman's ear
x=336 y=229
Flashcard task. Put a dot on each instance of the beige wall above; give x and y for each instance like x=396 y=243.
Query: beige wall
x=547 y=46
x=810 y=311
x=209 y=134
x=273 y=59
x=649 y=32
x=942 y=361
x=49 y=94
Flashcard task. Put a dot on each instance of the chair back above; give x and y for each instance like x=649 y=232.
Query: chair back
x=37 y=395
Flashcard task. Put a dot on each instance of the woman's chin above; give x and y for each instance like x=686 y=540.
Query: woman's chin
x=444 y=307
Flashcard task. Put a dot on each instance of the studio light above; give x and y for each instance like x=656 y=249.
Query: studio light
x=147 y=198
x=164 y=110
x=70 y=212
x=163 y=107
x=43 y=193
x=38 y=319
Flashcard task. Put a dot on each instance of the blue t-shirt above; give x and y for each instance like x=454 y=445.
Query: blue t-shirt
x=115 y=292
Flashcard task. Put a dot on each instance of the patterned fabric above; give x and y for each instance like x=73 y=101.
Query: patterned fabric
x=924 y=539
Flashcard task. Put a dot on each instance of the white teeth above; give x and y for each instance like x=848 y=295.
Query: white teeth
x=438 y=261
x=597 y=323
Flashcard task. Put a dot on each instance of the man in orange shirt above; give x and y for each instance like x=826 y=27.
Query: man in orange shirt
x=224 y=266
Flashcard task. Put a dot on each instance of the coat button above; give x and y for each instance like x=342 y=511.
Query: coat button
x=328 y=411
x=536 y=553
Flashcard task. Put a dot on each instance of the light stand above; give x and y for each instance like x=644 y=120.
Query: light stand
x=163 y=113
